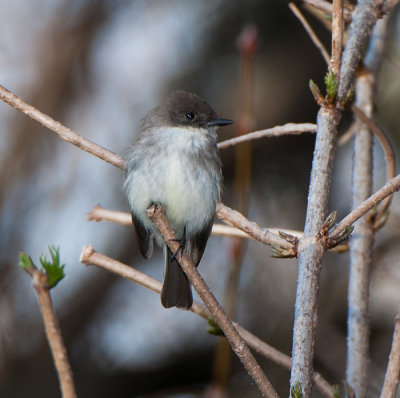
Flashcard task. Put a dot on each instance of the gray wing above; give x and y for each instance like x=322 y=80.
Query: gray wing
x=198 y=243
x=144 y=237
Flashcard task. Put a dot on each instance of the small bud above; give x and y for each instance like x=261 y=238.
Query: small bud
x=331 y=85
x=315 y=92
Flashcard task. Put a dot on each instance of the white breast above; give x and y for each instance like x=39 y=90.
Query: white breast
x=167 y=174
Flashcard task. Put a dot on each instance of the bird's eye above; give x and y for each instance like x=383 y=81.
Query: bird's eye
x=190 y=116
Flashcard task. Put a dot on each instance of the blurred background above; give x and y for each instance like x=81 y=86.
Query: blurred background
x=98 y=66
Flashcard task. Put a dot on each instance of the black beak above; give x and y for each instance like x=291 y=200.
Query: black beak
x=219 y=122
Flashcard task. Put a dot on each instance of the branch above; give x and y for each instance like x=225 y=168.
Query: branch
x=326 y=7
x=310 y=32
x=240 y=224
x=238 y=345
x=235 y=219
x=337 y=36
x=311 y=251
x=63 y=132
x=277 y=131
x=363 y=20
x=90 y=257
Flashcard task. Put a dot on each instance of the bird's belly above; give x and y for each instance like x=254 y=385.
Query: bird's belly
x=187 y=193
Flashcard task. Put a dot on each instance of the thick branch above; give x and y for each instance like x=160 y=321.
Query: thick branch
x=363 y=20
x=311 y=251
x=363 y=237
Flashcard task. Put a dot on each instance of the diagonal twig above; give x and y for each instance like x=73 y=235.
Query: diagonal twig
x=157 y=216
x=90 y=257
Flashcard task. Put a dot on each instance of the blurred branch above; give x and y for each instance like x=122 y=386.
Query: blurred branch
x=99 y=213
x=277 y=131
x=389 y=157
x=239 y=226
x=310 y=32
x=42 y=287
x=90 y=257
x=326 y=7
x=392 y=375
x=63 y=132
x=361 y=244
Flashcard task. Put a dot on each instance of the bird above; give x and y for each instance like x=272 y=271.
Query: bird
x=174 y=162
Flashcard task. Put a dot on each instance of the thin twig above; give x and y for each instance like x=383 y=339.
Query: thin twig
x=326 y=7
x=63 y=132
x=238 y=345
x=235 y=219
x=90 y=257
x=53 y=334
x=277 y=131
x=310 y=31
x=337 y=36
x=392 y=375
x=99 y=213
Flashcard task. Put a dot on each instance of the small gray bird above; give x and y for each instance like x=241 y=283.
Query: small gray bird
x=174 y=162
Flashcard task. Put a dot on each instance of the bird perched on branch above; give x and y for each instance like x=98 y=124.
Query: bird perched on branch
x=174 y=162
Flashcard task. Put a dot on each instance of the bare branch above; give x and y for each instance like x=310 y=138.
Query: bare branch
x=235 y=219
x=337 y=36
x=238 y=345
x=311 y=251
x=326 y=7
x=99 y=213
x=277 y=131
x=90 y=257
x=63 y=132
x=392 y=375
x=389 y=157
x=310 y=31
